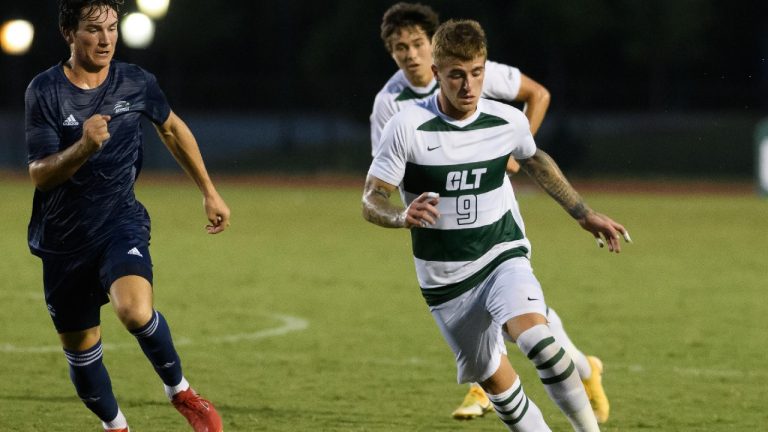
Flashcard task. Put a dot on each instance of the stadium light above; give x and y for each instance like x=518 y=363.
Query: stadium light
x=16 y=36
x=137 y=30
x=154 y=9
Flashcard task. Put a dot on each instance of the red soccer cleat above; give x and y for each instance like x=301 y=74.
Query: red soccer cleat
x=200 y=413
x=117 y=430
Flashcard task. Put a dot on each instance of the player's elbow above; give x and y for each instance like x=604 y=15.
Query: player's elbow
x=366 y=210
x=370 y=211
x=40 y=180
x=542 y=96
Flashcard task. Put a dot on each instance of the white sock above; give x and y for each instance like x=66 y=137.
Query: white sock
x=578 y=357
x=119 y=422
x=170 y=391
x=556 y=369
x=518 y=412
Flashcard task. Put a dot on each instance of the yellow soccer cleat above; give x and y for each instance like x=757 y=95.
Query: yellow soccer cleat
x=476 y=404
x=595 y=391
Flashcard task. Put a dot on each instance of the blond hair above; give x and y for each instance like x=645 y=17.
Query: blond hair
x=460 y=39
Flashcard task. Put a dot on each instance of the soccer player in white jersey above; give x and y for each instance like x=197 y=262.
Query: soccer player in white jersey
x=447 y=154
x=406 y=31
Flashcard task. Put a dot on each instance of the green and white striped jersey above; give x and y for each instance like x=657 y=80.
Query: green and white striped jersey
x=422 y=150
x=501 y=82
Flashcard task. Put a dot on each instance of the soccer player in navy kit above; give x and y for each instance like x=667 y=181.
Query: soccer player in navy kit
x=84 y=141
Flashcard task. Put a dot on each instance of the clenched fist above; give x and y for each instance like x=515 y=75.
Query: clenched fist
x=95 y=132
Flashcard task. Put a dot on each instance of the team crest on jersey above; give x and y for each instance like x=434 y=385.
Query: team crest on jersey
x=122 y=106
x=70 y=121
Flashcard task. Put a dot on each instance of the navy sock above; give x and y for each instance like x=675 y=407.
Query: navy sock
x=92 y=382
x=155 y=340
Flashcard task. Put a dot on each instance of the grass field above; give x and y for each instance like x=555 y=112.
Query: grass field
x=303 y=317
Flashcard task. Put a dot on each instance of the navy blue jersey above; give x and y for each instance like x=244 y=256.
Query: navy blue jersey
x=99 y=197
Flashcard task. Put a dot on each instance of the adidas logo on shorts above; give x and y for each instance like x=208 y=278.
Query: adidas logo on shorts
x=136 y=252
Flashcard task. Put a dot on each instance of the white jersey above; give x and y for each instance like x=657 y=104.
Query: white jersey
x=501 y=82
x=422 y=150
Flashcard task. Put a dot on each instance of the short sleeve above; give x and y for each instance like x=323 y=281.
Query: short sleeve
x=501 y=82
x=524 y=146
x=42 y=134
x=157 y=107
x=389 y=161
x=382 y=112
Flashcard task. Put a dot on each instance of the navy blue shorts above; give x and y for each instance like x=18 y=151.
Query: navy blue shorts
x=76 y=286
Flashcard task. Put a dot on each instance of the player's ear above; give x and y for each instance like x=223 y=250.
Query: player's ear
x=68 y=36
x=434 y=72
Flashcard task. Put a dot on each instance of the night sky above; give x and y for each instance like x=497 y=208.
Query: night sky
x=287 y=56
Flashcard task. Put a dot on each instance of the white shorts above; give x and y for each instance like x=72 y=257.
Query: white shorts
x=472 y=322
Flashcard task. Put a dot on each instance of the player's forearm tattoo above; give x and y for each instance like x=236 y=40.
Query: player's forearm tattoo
x=580 y=210
x=378 y=209
x=542 y=168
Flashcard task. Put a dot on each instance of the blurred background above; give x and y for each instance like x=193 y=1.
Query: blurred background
x=646 y=88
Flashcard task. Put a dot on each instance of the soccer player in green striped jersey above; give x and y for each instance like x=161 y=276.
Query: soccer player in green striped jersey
x=447 y=155
x=407 y=30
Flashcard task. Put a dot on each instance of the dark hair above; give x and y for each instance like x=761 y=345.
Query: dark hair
x=70 y=11
x=462 y=39
x=403 y=15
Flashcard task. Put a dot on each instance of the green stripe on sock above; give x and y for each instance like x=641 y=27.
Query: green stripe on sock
x=553 y=361
x=559 y=378
x=509 y=399
x=518 y=418
x=498 y=410
x=540 y=346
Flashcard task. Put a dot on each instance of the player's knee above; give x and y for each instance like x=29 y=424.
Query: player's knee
x=132 y=301
x=519 y=324
x=502 y=379
x=80 y=340
x=133 y=315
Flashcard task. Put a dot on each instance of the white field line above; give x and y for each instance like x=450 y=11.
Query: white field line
x=287 y=324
